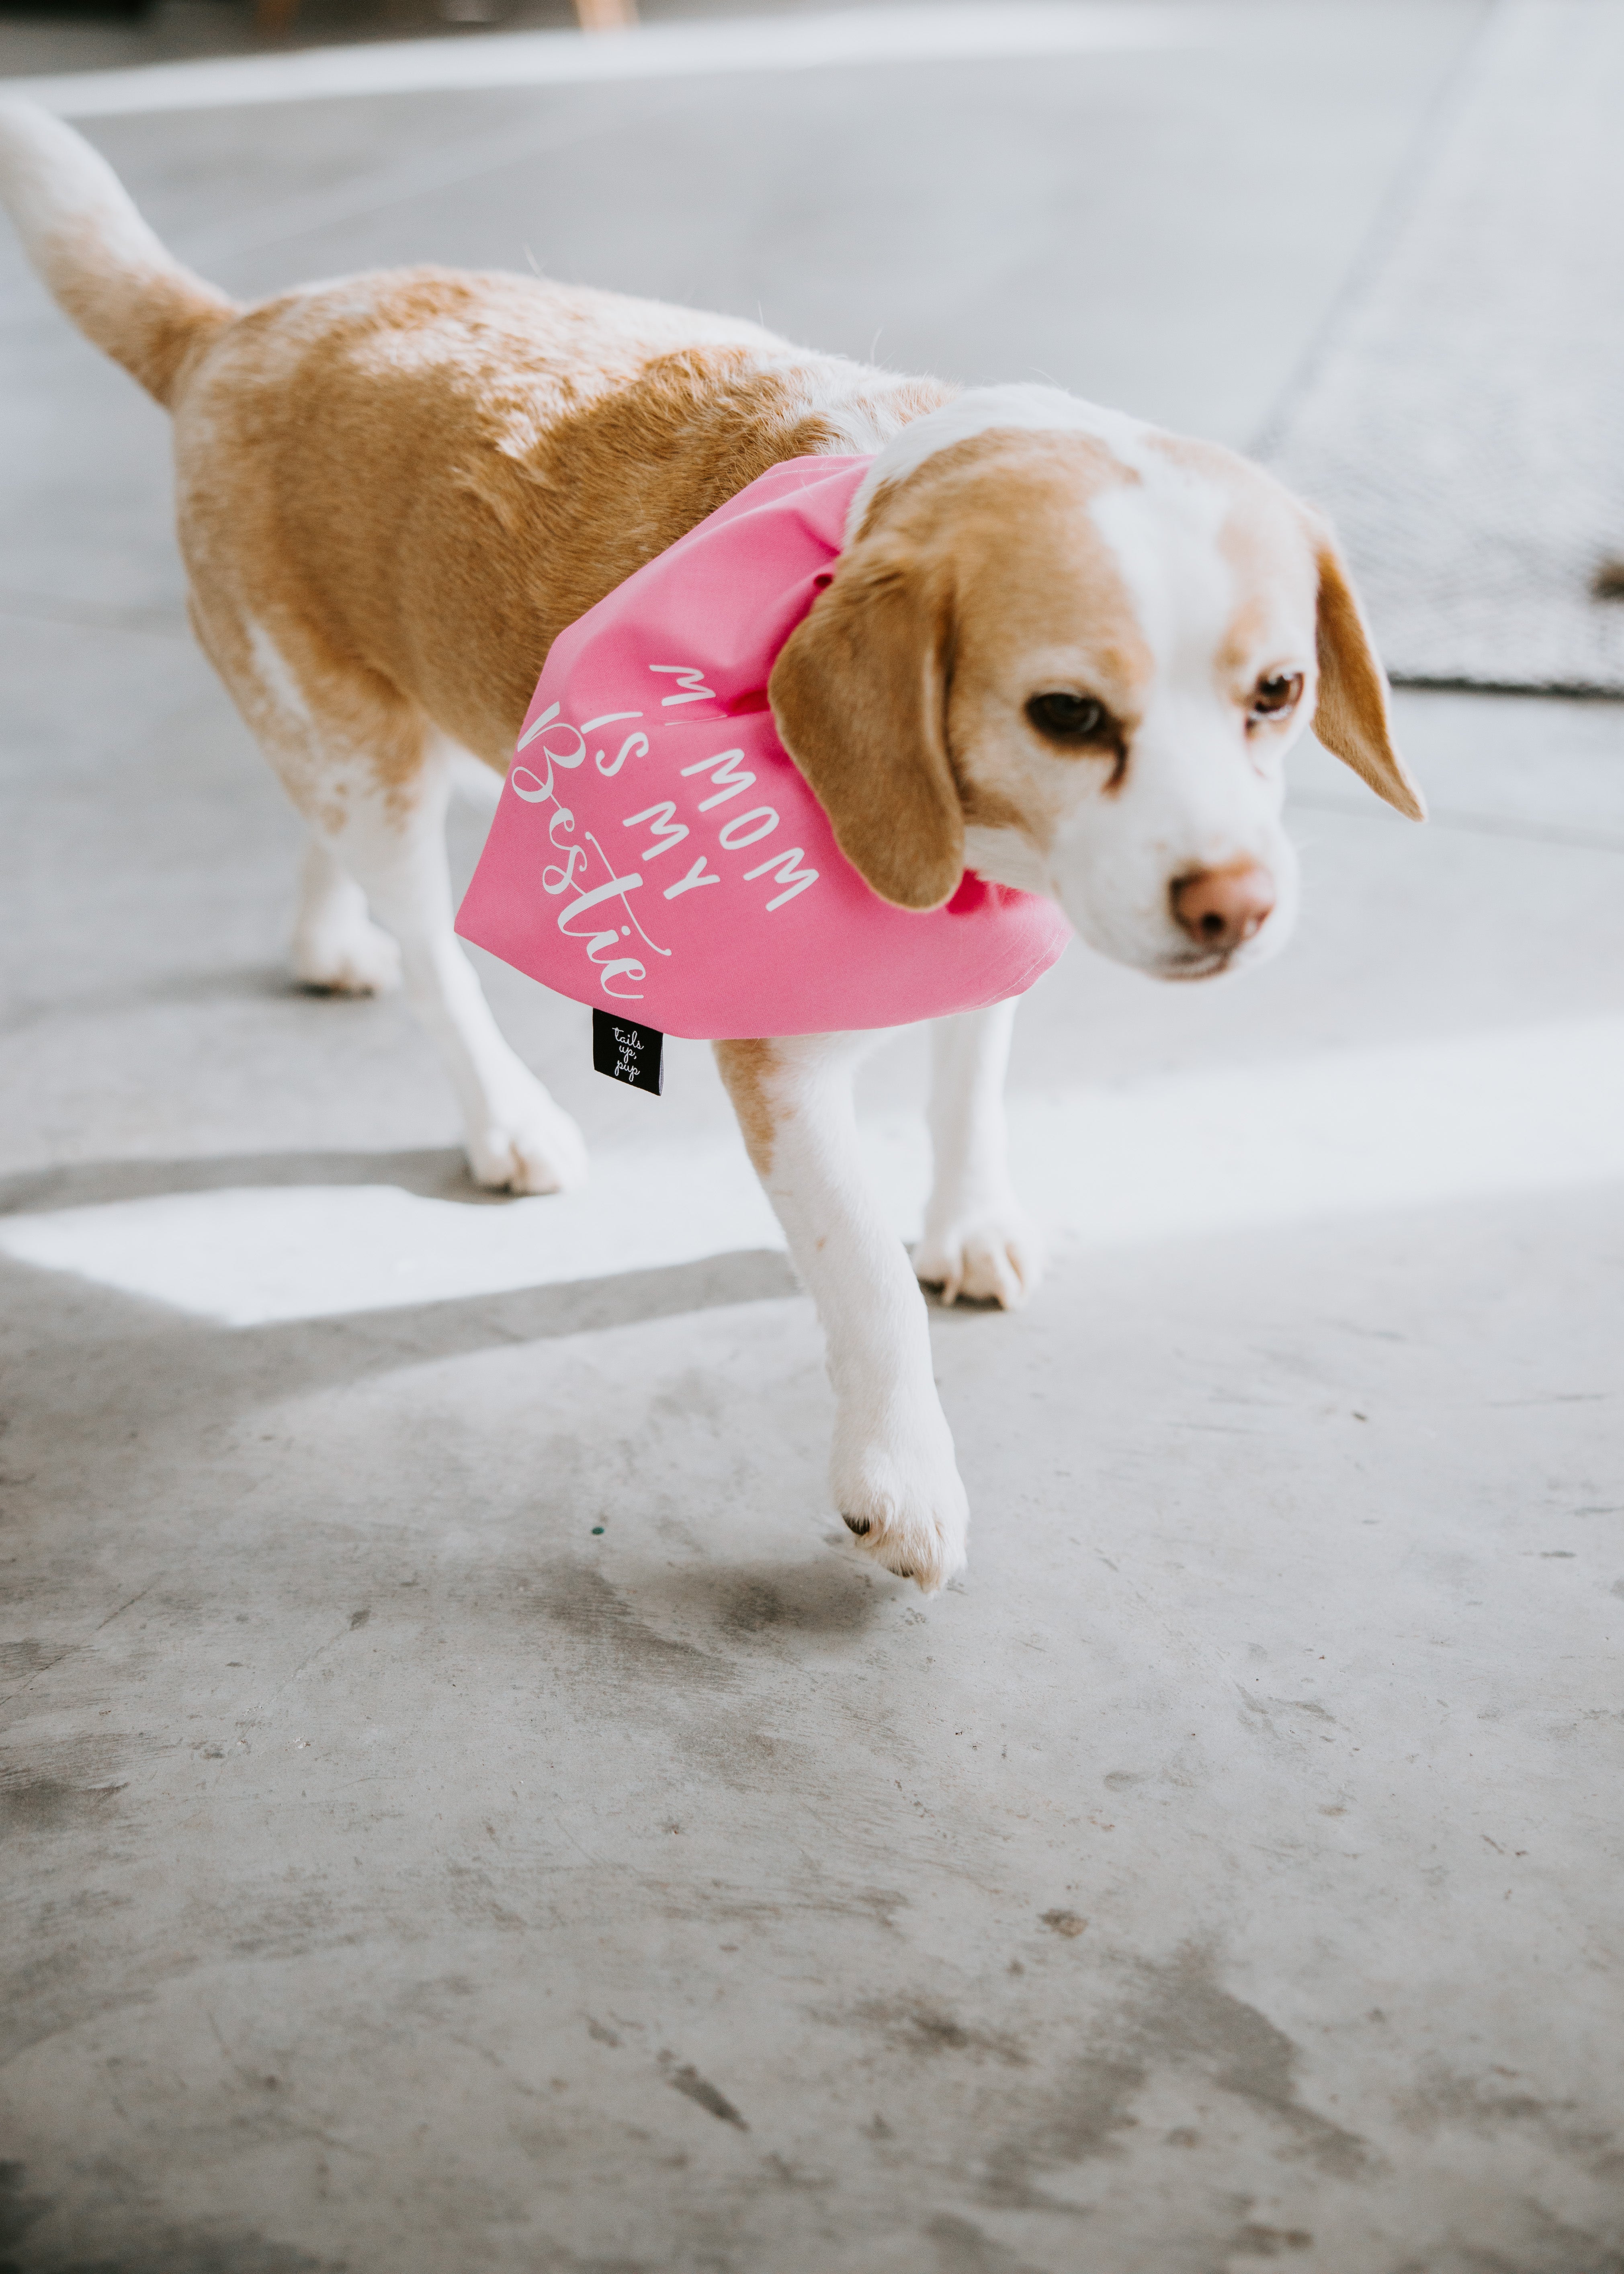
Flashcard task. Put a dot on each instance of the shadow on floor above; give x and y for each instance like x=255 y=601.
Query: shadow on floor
x=251 y=1365
x=436 y=1174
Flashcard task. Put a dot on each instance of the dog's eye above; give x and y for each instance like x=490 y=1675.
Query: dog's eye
x=1280 y=691
x=1071 y=718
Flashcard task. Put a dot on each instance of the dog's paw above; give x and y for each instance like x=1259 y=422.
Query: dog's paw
x=357 y=958
x=905 y=1506
x=528 y=1145
x=991 y=1256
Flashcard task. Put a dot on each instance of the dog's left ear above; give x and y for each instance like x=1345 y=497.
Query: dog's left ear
x=859 y=695
x=1351 y=717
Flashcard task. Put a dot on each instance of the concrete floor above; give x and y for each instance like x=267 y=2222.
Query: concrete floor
x=466 y=1806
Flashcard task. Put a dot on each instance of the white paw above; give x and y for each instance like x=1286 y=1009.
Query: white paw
x=527 y=1144
x=905 y=1505
x=356 y=958
x=991 y=1255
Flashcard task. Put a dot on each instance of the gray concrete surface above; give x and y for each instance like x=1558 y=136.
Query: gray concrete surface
x=466 y=1804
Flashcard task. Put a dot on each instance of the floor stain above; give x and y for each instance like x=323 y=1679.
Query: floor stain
x=1182 y=2014
x=962 y=2248
x=20 y=1660
x=1530 y=2241
x=1488 y=2105
x=915 y=2026
x=730 y=1748
x=1174 y=2015
x=168 y=2252
x=1268 y=2241
x=48 y=1804
x=19 y=2211
x=814 y=1600
x=1092 y=2105
x=687 y=2080
x=772 y=1604
x=579 y=1599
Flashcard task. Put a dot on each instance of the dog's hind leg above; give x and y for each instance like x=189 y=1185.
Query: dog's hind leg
x=392 y=842
x=337 y=948
x=373 y=775
x=978 y=1241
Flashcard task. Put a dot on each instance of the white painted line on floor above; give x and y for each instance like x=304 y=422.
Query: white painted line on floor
x=1340 y=1134
x=1006 y=30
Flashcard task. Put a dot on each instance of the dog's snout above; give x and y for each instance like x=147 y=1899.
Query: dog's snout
x=1221 y=909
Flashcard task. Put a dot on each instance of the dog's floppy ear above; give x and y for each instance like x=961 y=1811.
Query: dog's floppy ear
x=1351 y=717
x=860 y=696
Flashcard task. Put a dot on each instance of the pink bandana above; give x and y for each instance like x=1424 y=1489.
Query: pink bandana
x=657 y=850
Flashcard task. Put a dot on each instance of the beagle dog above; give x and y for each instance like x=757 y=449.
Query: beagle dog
x=1061 y=649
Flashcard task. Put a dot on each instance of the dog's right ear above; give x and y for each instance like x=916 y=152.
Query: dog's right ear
x=1352 y=717
x=860 y=696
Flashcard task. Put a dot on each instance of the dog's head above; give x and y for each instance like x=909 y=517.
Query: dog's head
x=1070 y=652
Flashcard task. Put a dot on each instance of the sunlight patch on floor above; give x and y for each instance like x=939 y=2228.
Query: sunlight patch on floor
x=1339 y=1134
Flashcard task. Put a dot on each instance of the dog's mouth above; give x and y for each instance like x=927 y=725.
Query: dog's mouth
x=1207 y=962
x=1195 y=966
x=1200 y=961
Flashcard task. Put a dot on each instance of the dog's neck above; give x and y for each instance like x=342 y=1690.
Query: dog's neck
x=979 y=410
x=838 y=409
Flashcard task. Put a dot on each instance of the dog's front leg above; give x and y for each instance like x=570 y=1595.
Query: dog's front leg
x=978 y=1240
x=895 y=1480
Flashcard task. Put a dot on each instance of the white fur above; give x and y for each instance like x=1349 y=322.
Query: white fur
x=1199 y=792
x=54 y=184
x=371 y=846
x=337 y=948
x=518 y=1139
x=978 y=1239
x=892 y=1471
x=276 y=677
x=1164 y=531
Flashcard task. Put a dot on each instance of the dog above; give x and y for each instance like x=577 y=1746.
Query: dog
x=1060 y=648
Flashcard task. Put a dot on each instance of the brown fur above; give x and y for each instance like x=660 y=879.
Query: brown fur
x=1352 y=717
x=413 y=482
x=747 y=1069
x=859 y=697
x=155 y=324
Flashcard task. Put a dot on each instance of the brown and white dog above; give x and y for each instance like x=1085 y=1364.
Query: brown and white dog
x=1061 y=648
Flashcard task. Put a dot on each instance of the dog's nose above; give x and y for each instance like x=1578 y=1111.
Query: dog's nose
x=1221 y=909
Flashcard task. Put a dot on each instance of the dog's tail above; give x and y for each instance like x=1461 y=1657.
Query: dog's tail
x=97 y=256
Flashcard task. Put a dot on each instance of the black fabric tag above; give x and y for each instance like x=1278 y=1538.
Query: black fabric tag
x=627 y=1053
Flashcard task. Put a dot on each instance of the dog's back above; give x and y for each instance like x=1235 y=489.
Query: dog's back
x=423 y=472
